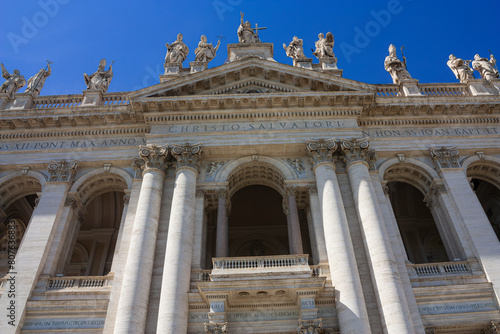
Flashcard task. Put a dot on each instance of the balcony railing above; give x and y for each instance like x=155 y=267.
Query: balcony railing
x=278 y=261
x=428 y=90
x=67 y=282
x=440 y=269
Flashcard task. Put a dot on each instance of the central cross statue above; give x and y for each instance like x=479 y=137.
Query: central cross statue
x=245 y=32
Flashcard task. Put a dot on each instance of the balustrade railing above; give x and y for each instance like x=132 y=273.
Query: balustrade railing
x=440 y=269
x=446 y=90
x=388 y=91
x=279 y=261
x=66 y=282
x=55 y=102
x=115 y=99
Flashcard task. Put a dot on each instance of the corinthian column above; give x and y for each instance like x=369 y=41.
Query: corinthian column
x=391 y=298
x=173 y=310
x=134 y=296
x=222 y=228
x=350 y=302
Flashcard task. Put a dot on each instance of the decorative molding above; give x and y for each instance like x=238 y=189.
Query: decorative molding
x=138 y=164
x=430 y=330
x=321 y=150
x=25 y=170
x=313 y=189
x=62 y=171
x=445 y=157
x=154 y=156
x=187 y=155
x=216 y=328
x=213 y=167
x=297 y=165
x=355 y=150
x=106 y=167
x=310 y=326
x=491 y=328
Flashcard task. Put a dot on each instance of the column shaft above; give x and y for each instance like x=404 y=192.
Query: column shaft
x=133 y=303
x=350 y=302
x=173 y=310
x=295 y=238
x=222 y=228
x=317 y=227
x=391 y=297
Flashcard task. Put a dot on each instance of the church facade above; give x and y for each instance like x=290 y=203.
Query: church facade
x=253 y=197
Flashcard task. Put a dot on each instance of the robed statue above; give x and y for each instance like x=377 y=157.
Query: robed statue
x=485 y=67
x=324 y=46
x=460 y=68
x=395 y=67
x=177 y=51
x=12 y=82
x=101 y=78
x=246 y=33
x=295 y=49
x=205 y=51
x=36 y=82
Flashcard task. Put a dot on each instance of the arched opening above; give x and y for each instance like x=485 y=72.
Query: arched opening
x=257 y=224
x=489 y=197
x=421 y=238
x=93 y=251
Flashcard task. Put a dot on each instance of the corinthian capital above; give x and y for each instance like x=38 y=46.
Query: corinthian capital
x=357 y=150
x=445 y=157
x=310 y=326
x=62 y=171
x=154 y=156
x=187 y=155
x=321 y=150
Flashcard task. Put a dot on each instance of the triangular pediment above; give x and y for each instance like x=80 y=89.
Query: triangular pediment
x=251 y=76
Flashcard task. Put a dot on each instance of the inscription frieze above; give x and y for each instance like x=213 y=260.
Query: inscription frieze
x=71 y=144
x=457 y=308
x=432 y=132
x=63 y=324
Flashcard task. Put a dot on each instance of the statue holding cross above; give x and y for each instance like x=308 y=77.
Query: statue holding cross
x=245 y=32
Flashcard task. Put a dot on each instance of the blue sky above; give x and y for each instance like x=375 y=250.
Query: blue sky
x=75 y=35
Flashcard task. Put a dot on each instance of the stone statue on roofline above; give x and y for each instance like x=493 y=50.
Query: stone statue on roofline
x=205 y=52
x=460 y=68
x=395 y=67
x=177 y=51
x=36 y=82
x=246 y=33
x=101 y=78
x=13 y=82
x=295 y=49
x=324 y=46
x=486 y=67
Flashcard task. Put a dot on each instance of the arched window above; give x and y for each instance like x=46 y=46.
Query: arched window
x=416 y=224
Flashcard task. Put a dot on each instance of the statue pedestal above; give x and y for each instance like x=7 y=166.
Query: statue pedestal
x=22 y=101
x=303 y=63
x=197 y=66
x=410 y=87
x=477 y=87
x=238 y=51
x=328 y=63
x=495 y=83
x=172 y=71
x=91 y=97
x=4 y=100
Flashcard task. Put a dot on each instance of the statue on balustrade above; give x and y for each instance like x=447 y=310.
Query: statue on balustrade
x=205 y=51
x=460 y=68
x=177 y=51
x=485 y=67
x=324 y=46
x=13 y=82
x=101 y=78
x=295 y=49
x=395 y=67
x=246 y=33
x=36 y=82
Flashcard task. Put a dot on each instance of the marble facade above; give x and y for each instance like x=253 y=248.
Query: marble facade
x=253 y=197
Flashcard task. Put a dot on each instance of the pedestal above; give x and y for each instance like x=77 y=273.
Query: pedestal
x=410 y=88
x=303 y=63
x=328 y=63
x=172 y=68
x=496 y=85
x=239 y=51
x=92 y=97
x=477 y=87
x=197 y=66
x=21 y=101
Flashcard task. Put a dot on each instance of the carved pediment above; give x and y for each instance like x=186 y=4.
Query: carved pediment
x=252 y=76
